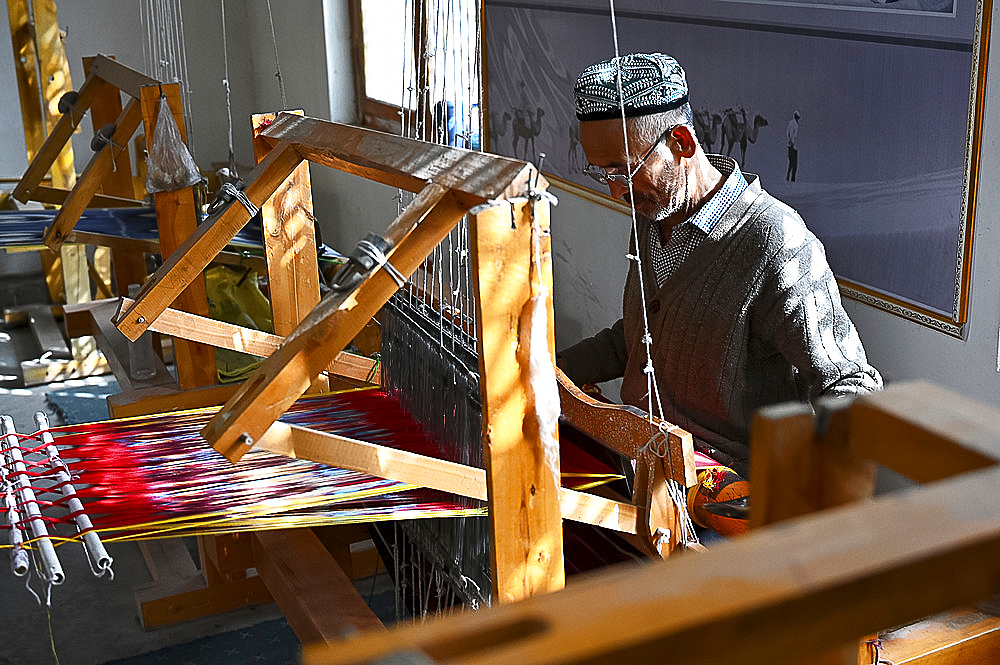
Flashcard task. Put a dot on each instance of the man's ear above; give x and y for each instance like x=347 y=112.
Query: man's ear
x=684 y=139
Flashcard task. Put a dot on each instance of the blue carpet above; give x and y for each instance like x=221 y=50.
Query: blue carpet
x=86 y=403
x=267 y=643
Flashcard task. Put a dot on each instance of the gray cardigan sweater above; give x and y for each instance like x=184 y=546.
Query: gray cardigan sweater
x=752 y=317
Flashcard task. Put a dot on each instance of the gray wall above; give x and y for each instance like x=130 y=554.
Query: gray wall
x=588 y=239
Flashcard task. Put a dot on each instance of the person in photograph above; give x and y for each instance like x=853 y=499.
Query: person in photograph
x=792 y=134
x=739 y=302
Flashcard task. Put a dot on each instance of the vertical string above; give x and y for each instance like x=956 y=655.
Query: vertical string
x=675 y=491
x=652 y=391
x=225 y=84
x=277 y=67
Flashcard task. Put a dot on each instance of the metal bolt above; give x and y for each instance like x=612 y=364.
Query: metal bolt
x=141 y=319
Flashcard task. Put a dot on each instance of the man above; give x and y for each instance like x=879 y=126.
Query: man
x=742 y=308
x=792 y=134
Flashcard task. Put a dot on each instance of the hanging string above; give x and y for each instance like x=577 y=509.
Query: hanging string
x=652 y=391
x=233 y=175
x=165 y=52
x=674 y=490
x=277 y=67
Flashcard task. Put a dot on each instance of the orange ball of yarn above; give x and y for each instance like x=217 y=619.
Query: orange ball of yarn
x=715 y=484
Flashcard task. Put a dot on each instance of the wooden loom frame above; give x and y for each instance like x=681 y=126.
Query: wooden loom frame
x=524 y=498
x=780 y=595
x=110 y=169
x=101 y=95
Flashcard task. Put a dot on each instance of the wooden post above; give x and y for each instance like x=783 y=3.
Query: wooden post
x=105 y=109
x=42 y=78
x=289 y=244
x=176 y=219
x=803 y=464
x=522 y=468
x=130 y=267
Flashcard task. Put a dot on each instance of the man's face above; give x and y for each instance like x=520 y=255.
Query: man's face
x=658 y=187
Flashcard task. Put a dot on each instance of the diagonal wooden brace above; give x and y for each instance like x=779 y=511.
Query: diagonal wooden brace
x=88 y=184
x=626 y=429
x=53 y=145
x=286 y=374
x=210 y=238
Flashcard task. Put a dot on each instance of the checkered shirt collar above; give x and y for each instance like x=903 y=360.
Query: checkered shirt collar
x=710 y=212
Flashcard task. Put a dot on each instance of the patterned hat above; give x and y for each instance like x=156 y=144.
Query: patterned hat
x=650 y=83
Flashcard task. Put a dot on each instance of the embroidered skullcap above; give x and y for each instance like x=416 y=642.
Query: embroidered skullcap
x=650 y=83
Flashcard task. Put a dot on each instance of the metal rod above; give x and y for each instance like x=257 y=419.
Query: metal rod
x=19 y=562
x=99 y=558
x=49 y=567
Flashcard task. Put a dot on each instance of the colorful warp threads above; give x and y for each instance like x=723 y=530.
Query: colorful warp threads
x=155 y=476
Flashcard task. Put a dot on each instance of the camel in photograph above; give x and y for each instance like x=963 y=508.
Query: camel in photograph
x=736 y=130
x=526 y=128
x=707 y=125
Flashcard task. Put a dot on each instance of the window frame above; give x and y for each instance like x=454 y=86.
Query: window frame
x=373 y=113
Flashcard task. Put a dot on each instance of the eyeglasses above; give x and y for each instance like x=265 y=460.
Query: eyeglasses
x=601 y=174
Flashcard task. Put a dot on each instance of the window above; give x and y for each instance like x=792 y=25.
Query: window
x=417 y=68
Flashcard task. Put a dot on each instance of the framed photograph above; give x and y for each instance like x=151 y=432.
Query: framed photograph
x=887 y=96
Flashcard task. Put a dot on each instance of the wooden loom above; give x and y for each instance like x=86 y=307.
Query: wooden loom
x=792 y=594
x=110 y=170
x=524 y=497
x=294 y=363
x=180 y=590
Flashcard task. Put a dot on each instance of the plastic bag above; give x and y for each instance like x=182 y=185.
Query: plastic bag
x=170 y=166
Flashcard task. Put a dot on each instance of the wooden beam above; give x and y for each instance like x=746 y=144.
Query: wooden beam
x=317 y=598
x=400 y=162
x=152 y=246
x=164 y=399
x=123 y=77
x=939 y=434
x=26 y=69
x=771 y=596
x=90 y=181
x=625 y=429
x=511 y=270
x=43 y=76
x=247 y=340
x=964 y=635
x=417 y=470
x=165 y=604
x=286 y=374
x=176 y=221
x=290 y=245
x=186 y=263
x=56 y=196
